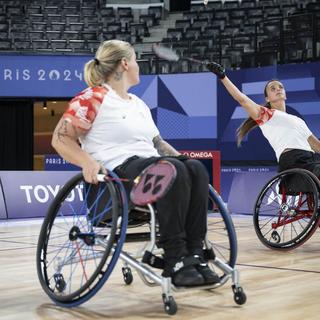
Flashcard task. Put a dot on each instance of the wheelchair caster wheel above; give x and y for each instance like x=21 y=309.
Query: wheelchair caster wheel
x=239 y=295
x=275 y=236
x=127 y=275
x=60 y=283
x=170 y=306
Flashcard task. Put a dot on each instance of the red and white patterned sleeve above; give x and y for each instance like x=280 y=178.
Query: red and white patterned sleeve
x=84 y=107
x=265 y=115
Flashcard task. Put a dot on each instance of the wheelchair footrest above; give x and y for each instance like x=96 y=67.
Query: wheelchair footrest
x=152 y=260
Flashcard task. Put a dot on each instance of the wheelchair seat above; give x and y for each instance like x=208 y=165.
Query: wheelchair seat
x=294 y=184
x=138 y=216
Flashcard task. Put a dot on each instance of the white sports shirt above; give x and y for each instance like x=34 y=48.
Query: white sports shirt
x=284 y=131
x=117 y=129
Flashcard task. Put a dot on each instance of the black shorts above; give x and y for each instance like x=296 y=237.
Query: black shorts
x=297 y=158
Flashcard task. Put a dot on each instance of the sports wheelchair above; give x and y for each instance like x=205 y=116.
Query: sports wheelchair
x=80 y=243
x=286 y=212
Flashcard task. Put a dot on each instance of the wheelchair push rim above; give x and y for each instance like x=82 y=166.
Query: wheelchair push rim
x=79 y=243
x=221 y=235
x=286 y=216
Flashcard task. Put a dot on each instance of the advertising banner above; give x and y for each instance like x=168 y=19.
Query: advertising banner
x=53 y=162
x=211 y=160
x=3 y=210
x=41 y=76
x=245 y=189
x=229 y=173
x=28 y=194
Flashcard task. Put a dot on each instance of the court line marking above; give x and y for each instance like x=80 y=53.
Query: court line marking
x=19 y=242
x=277 y=268
x=237 y=264
x=20 y=248
x=19 y=236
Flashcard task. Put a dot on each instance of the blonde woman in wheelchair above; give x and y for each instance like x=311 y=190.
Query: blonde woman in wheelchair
x=115 y=128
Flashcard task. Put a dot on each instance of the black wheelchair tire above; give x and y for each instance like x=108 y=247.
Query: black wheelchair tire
x=311 y=227
x=228 y=225
x=115 y=242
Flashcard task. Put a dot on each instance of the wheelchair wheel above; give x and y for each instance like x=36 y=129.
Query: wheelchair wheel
x=221 y=233
x=80 y=241
x=286 y=210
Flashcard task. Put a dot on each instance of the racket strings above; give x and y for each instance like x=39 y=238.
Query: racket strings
x=165 y=53
x=171 y=55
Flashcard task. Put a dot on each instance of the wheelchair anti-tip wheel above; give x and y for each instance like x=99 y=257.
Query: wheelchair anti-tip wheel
x=80 y=241
x=286 y=210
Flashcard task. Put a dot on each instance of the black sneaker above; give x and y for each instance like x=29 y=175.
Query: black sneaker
x=183 y=272
x=187 y=277
x=210 y=277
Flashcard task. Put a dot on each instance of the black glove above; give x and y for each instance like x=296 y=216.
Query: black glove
x=217 y=69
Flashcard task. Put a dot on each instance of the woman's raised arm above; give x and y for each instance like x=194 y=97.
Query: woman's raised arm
x=251 y=107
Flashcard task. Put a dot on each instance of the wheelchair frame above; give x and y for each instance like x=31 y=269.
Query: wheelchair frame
x=286 y=212
x=72 y=267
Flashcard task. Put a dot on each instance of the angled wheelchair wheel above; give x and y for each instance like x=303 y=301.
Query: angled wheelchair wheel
x=81 y=239
x=286 y=210
x=220 y=230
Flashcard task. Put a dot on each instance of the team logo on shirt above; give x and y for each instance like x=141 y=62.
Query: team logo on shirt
x=87 y=94
x=82 y=112
x=265 y=115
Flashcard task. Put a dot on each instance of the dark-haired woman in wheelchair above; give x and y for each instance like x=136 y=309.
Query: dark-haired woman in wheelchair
x=117 y=133
x=292 y=141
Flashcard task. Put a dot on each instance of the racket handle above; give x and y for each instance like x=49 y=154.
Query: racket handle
x=102 y=178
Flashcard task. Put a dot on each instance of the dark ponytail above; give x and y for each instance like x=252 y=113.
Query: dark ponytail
x=245 y=127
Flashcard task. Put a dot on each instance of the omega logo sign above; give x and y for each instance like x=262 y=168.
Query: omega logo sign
x=198 y=154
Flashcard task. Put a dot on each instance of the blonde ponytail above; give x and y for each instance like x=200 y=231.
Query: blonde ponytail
x=107 y=58
x=92 y=76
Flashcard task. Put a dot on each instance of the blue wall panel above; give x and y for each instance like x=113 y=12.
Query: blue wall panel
x=192 y=111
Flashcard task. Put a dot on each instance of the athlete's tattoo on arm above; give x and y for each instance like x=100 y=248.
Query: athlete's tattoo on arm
x=163 y=147
x=62 y=132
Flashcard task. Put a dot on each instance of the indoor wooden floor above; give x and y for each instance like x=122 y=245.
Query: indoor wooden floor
x=279 y=285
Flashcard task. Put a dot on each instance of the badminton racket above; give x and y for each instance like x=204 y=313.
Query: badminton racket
x=171 y=55
x=151 y=184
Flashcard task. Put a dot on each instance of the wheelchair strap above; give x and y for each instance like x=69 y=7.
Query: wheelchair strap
x=186 y=262
x=158 y=263
x=152 y=260
x=208 y=254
